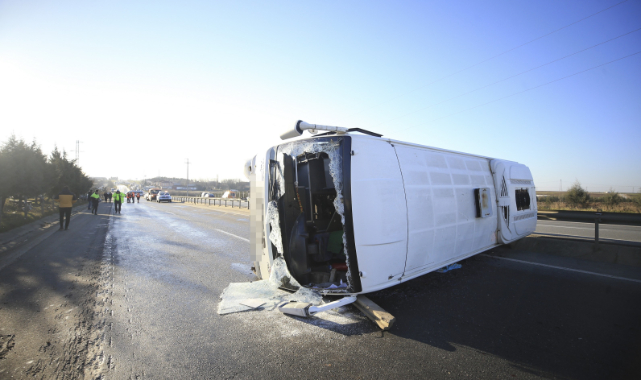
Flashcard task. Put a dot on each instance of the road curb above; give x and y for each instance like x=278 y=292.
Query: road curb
x=14 y=243
x=42 y=223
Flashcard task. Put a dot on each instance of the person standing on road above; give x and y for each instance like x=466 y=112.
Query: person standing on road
x=105 y=195
x=110 y=195
x=95 y=199
x=118 y=196
x=66 y=199
x=138 y=197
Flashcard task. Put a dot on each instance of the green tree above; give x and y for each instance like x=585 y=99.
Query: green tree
x=66 y=173
x=23 y=171
x=577 y=196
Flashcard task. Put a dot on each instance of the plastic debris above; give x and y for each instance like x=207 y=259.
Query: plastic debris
x=449 y=268
x=234 y=298
x=253 y=302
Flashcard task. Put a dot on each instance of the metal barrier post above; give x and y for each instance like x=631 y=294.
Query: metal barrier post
x=596 y=229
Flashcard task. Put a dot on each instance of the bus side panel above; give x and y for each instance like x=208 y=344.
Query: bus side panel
x=442 y=215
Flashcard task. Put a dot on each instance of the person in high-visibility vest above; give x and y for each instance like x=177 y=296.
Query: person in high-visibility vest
x=95 y=199
x=118 y=197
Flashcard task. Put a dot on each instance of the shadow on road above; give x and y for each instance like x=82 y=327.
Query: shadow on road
x=543 y=321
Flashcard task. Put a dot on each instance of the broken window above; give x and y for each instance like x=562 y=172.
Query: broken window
x=482 y=202
x=522 y=199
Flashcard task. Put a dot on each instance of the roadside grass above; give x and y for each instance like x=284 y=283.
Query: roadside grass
x=13 y=216
x=599 y=202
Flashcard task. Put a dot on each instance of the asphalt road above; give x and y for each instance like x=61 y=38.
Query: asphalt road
x=577 y=229
x=135 y=296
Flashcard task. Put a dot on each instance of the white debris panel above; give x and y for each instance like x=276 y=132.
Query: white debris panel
x=237 y=294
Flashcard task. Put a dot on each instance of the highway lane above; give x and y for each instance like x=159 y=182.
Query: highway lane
x=162 y=268
x=606 y=231
x=490 y=319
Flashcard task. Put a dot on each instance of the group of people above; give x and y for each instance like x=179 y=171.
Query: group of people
x=94 y=199
x=66 y=199
x=131 y=196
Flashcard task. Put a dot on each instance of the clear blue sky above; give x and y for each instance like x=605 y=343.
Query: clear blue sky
x=146 y=85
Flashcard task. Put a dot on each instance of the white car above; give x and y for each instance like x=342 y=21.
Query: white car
x=163 y=197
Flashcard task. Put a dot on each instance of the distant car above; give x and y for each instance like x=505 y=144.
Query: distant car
x=151 y=194
x=163 y=197
x=209 y=195
x=231 y=194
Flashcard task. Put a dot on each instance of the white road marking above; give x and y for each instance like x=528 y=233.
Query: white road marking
x=589 y=238
x=562 y=268
x=236 y=236
x=580 y=228
x=587 y=224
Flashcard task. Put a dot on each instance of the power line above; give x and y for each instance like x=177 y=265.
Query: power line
x=529 y=89
x=508 y=78
x=488 y=59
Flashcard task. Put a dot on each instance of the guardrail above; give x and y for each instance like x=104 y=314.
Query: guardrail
x=589 y=216
x=215 y=201
x=594 y=217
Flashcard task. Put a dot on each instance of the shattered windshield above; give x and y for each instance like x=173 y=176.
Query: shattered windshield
x=306 y=213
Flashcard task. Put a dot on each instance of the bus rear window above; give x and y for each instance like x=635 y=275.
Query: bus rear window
x=522 y=199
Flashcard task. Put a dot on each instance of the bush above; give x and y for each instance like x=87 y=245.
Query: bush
x=636 y=202
x=612 y=198
x=577 y=196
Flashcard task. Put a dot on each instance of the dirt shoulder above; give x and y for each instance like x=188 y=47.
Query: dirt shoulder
x=50 y=298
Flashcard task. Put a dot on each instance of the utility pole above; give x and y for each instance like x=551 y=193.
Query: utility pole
x=77 y=150
x=187 y=162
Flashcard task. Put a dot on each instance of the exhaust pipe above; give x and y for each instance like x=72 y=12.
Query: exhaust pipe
x=312 y=128
x=305 y=309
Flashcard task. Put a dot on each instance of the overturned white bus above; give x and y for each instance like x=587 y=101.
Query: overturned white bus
x=351 y=212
